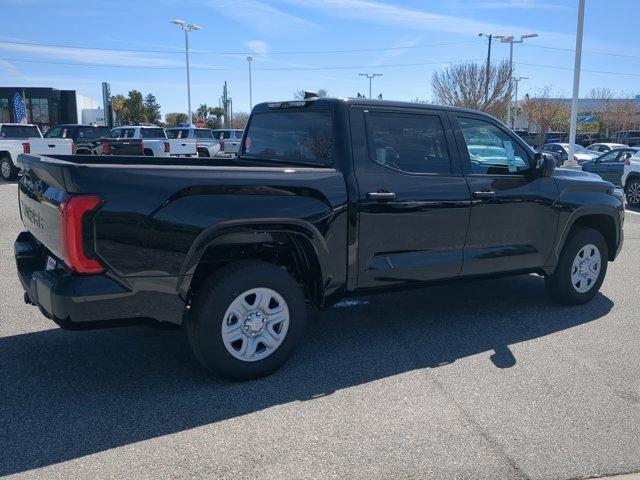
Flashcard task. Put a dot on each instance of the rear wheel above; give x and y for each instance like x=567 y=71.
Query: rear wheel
x=581 y=268
x=8 y=170
x=246 y=320
x=632 y=192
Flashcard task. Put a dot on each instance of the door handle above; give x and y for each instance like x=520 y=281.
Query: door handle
x=51 y=145
x=381 y=196
x=484 y=195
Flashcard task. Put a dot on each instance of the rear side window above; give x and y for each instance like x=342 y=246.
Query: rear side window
x=491 y=150
x=408 y=142
x=202 y=133
x=178 y=133
x=222 y=134
x=291 y=136
x=19 y=131
x=152 y=133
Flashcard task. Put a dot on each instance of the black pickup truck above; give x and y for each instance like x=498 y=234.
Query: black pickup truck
x=328 y=198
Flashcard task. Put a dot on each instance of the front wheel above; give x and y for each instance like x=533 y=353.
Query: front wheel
x=8 y=170
x=246 y=320
x=581 y=268
x=632 y=192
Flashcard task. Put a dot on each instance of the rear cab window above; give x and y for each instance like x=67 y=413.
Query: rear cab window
x=91 y=132
x=152 y=133
x=203 y=133
x=178 y=133
x=291 y=136
x=19 y=131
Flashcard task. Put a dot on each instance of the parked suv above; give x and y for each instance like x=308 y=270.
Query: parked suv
x=206 y=145
x=229 y=139
x=328 y=198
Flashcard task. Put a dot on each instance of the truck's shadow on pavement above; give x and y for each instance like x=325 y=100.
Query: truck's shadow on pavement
x=69 y=394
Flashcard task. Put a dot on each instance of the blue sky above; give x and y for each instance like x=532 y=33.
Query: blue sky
x=407 y=40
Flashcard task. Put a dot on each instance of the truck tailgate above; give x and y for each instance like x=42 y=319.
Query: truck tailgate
x=49 y=146
x=40 y=193
x=182 y=146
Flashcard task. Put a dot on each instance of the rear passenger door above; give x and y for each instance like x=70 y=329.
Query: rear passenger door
x=512 y=224
x=413 y=199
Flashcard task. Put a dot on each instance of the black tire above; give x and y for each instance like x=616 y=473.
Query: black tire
x=148 y=152
x=8 y=170
x=203 y=153
x=631 y=190
x=213 y=298
x=559 y=284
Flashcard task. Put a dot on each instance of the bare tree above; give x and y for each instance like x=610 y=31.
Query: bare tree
x=463 y=85
x=299 y=94
x=240 y=120
x=614 y=113
x=545 y=112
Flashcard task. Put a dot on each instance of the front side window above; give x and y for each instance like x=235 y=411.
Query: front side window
x=608 y=157
x=491 y=150
x=291 y=136
x=54 y=133
x=222 y=134
x=408 y=142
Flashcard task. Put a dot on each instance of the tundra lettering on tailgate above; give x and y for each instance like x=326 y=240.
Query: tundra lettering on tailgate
x=34 y=217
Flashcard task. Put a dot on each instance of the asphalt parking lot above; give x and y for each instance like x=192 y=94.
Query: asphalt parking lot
x=477 y=380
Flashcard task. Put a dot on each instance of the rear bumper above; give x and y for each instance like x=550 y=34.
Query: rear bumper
x=78 y=302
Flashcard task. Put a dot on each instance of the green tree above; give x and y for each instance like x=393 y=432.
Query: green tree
x=211 y=115
x=119 y=107
x=151 y=109
x=135 y=107
x=174 y=119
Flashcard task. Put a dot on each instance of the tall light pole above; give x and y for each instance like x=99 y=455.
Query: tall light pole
x=576 y=86
x=370 y=76
x=517 y=80
x=249 y=60
x=487 y=71
x=511 y=40
x=186 y=28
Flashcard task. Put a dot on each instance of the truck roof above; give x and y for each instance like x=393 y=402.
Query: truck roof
x=327 y=102
x=18 y=124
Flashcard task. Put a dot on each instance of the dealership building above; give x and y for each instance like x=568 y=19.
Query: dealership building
x=45 y=106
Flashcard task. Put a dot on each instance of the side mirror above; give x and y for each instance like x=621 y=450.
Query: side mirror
x=545 y=165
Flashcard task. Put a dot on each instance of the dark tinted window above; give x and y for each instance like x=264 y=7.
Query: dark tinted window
x=19 y=131
x=491 y=150
x=178 y=133
x=408 y=142
x=295 y=136
x=152 y=133
x=92 y=132
x=57 y=132
x=203 y=133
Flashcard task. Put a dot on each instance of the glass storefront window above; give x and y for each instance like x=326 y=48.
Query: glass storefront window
x=39 y=108
x=5 y=111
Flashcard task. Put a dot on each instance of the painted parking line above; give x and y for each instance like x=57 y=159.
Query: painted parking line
x=632 y=211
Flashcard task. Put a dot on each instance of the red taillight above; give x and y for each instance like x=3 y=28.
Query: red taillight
x=105 y=148
x=221 y=146
x=74 y=148
x=73 y=211
x=26 y=148
x=167 y=147
x=141 y=147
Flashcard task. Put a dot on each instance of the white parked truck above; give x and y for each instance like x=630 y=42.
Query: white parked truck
x=206 y=145
x=17 y=138
x=148 y=140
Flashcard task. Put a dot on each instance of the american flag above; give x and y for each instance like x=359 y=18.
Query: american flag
x=18 y=106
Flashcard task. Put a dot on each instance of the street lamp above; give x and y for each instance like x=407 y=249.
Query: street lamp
x=249 y=60
x=517 y=80
x=511 y=40
x=487 y=71
x=186 y=28
x=370 y=76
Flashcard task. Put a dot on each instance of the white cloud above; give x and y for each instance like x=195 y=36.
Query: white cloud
x=258 y=15
x=514 y=4
x=407 y=18
x=257 y=46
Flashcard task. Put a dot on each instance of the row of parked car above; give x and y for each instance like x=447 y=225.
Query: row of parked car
x=148 y=140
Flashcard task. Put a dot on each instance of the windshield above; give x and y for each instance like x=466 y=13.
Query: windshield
x=291 y=136
x=19 y=131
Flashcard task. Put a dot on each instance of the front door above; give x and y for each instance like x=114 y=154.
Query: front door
x=413 y=200
x=610 y=166
x=512 y=224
